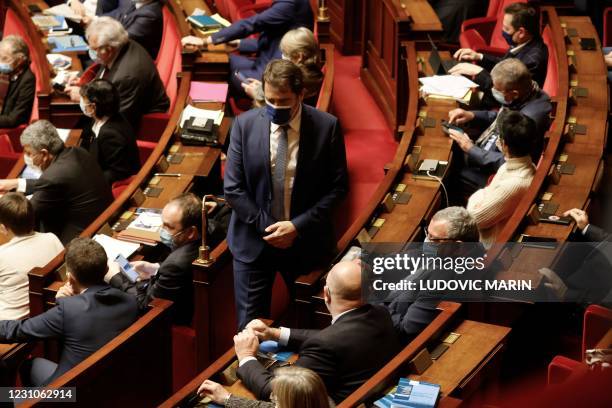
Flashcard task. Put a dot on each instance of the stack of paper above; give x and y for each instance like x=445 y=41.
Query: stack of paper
x=48 y=22
x=144 y=229
x=453 y=86
x=63 y=10
x=208 y=92
x=191 y=111
x=114 y=247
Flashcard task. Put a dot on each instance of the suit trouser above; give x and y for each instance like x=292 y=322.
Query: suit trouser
x=253 y=281
x=37 y=372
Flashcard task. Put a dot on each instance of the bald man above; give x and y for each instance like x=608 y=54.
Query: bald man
x=359 y=341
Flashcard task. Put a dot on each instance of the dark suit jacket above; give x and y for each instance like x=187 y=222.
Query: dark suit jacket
x=69 y=194
x=536 y=107
x=19 y=100
x=320 y=182
x=174 y=281
x=137 y=80
x=84 y=323
x=114 y=148
x=271 y=24
x=534 y=55
x=591 y=280
x=345 y=354
x=104 y=6
x=144 y=25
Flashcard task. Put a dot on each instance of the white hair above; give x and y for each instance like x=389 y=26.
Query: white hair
x=109 y=31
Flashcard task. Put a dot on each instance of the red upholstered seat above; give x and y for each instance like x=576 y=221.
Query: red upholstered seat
x=483 y=34
x=8 y=157
x=12 y=26
x=597 y=322
x=607 y=28
x=169 y=64
x=551 y=84
x=183 y=352
x=119 y=186
x=145 y=148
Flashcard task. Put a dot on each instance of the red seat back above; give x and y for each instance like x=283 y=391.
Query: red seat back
x=551 y=84
x=169 y=60
x=5 y=144
x=597 y=322
x=607 y=28
x=497 y=40
x=119 y=186
x=145 y=148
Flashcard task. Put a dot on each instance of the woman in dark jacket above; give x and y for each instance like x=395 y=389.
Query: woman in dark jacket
x=108 y=137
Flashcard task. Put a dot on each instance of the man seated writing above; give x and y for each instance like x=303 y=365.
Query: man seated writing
x=359 y=341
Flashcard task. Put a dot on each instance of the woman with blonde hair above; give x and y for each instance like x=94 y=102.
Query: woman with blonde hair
x=300 y=47
x=292 y=387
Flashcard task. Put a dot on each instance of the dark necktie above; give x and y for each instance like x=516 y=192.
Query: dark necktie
x=278 y=178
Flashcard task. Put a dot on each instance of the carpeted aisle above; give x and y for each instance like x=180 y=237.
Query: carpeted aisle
x=369 y=142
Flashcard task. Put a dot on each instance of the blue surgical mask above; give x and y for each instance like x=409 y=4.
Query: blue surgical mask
x=430 y=248
x=508 y=38
x=279 y=115
x=93 y=54
x=6 y=68
x=499 y=97
x=167 y=238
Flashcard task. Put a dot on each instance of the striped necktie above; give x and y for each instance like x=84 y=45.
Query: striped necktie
x=278 y=178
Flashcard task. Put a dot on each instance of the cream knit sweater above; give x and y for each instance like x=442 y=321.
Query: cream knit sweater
x=493 y=205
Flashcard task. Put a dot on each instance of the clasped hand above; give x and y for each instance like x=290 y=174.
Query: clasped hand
x=281 y=234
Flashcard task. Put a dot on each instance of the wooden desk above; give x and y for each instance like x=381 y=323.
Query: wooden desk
x=11 y=356
x=458 y=371
x=386 y=24
x=346 y=25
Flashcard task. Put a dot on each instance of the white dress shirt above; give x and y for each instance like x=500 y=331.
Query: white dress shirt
x=293 y=144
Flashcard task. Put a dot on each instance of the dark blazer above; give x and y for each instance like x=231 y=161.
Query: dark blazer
x=536 y=107
x=591 y=280
x=173 y=281
x=345 y=354
x=144 y=25
x=534 y=55
x=84 y=323
x=69 y=194
x=271 y=24
x=320 y=182
x=114 y=148
x=19 y=100
x=137 y=80
x=104 y=6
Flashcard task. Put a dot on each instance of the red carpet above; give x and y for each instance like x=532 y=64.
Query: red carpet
x=369 y=142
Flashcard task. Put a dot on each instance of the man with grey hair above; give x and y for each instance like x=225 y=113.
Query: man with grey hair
x=452 y=233
x=513 y=89
x=71 y=191
x=128 y=66
x=17 y=82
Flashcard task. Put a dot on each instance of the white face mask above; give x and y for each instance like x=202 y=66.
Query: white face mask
x=499 y=97
x=29 y=161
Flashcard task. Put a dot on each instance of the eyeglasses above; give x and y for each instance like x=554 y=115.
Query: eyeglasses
x=434 y=239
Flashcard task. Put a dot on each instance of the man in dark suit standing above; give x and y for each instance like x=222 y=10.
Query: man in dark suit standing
x=88 y=315
x=359 y=341
x=71 y=191
x=128 y=66
x=521 y=30
x=285 y=173
x=271 y=24
x=17 y=82
x=143 y=21
x=172 y=279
